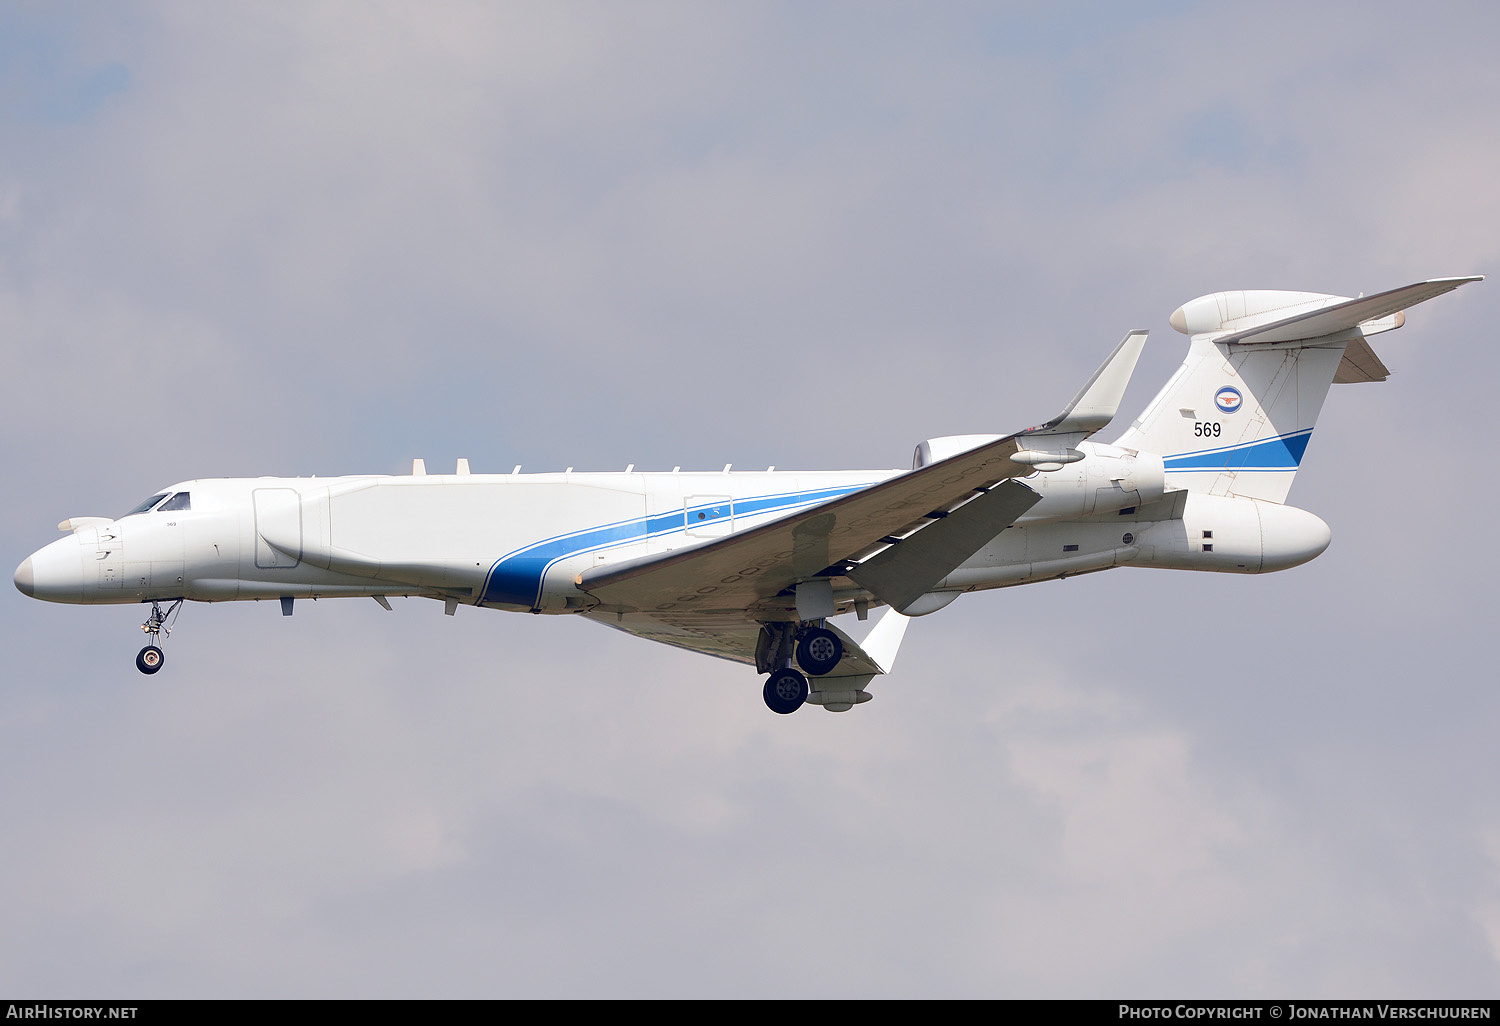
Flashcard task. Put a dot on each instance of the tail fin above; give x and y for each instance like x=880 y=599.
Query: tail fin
x=1237 y=416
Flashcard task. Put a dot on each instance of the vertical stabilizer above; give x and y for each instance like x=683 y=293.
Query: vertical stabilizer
x=1237 y=416
x=1236 y=422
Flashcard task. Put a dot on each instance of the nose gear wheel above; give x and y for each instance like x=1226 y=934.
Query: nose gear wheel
x=149 y=660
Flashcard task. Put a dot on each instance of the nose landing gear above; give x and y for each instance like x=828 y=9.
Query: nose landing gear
x=150 y=658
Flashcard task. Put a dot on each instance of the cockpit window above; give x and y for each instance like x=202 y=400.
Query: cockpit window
x=178 y=501
x=147 y=504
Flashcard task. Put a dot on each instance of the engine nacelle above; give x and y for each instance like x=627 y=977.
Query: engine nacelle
x=1106 y=480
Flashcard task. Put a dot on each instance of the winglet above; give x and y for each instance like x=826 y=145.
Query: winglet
x=1097 y=402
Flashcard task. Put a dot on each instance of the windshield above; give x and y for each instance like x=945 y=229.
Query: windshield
x=181 y=500
x=147 y=504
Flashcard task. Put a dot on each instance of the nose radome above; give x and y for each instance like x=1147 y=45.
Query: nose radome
x=54 y=573
x=26 y=578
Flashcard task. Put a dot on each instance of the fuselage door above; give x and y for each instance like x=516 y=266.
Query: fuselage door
x=708 y=516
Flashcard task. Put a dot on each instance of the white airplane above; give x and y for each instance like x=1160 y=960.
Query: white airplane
x=751 y=566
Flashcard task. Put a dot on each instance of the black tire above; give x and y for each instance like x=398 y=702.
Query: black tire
x=150 y=659
x=819 y=651
x=785 y=691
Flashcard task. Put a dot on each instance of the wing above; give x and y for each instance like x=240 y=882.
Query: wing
x=751 y=567
x=750 y=571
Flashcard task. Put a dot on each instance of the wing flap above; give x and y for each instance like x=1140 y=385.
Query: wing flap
x=907 y=570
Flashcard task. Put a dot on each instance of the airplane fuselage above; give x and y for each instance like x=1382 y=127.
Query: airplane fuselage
x=520 y=541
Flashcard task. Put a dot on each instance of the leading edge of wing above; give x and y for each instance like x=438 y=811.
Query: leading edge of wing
x=758 y=563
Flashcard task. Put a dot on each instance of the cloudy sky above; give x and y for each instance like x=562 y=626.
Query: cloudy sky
x=326 y=238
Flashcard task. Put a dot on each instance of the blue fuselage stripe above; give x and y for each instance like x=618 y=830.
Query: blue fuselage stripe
x=516 y=578
x=1284 y=452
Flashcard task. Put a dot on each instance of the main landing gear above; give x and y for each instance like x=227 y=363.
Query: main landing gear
x=818 y=651
x=150 y=658
x=785 y=691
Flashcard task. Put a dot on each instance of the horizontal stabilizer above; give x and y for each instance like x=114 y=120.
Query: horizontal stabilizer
x=1346 y=315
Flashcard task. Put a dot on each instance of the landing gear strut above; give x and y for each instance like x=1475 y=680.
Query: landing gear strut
x=150 y=658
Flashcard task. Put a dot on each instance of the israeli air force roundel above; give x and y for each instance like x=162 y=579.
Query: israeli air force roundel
x=1228 y=399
